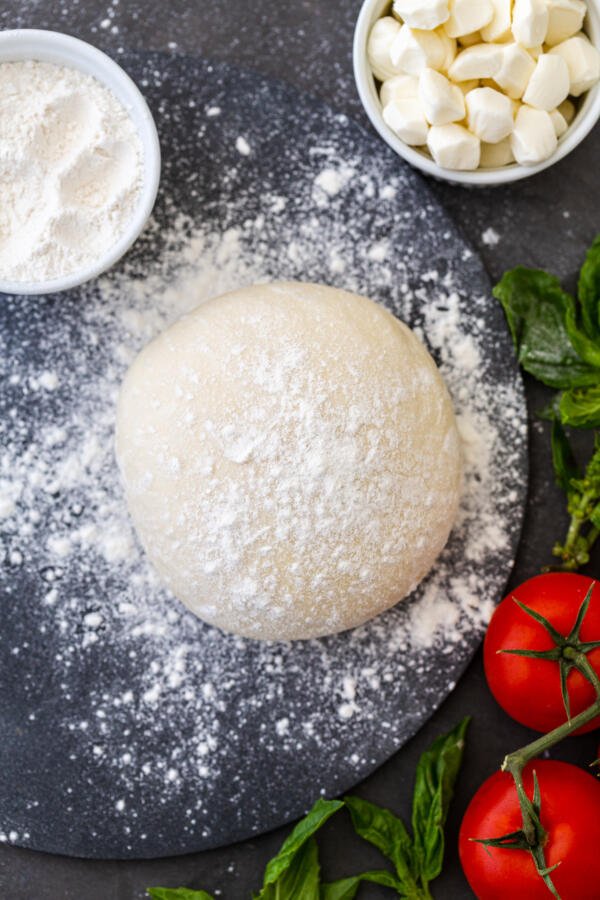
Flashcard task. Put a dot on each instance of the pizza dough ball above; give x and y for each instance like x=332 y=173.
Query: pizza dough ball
x=290 y=458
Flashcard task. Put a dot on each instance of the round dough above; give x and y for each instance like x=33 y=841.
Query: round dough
x=290 y=458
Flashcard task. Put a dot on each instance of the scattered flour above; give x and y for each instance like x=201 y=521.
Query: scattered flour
x=242 y=146
x=331 y=181
x=490 y=237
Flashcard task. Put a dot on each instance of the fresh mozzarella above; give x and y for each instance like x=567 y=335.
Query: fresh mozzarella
x=550 y=83
x=495 y=155
x=498 y=29
x=399 y=87
x=425 y=14
x=489 y=114
x=480 y=61
x=441 y=101
x=583 y=61
x=482 y=82
x=567 y=111
x=414 y=49
x=565 y=18
x=530 y=22
x=406 y=119
x=450 y=48
x=467 y=16
x=380 y=41
x=559 y=122
x=534 y=138
x=515 y=70
x=453 y=147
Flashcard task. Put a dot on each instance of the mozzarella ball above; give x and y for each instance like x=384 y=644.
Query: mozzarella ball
x=494 y=156
x=441 y=101
x=425 y=14
x=400 y=87
x=467 y=16
x=533 y=139
x=454 y=147
x=565 y=18
x=489 y=114
x=407 y=119
x=498 y=29
x=479 y=61
x=567 y=110
x=530 y=22
x=515 y=70
x=549 y=84
x=559 y=122
x=413 y=50
x=380 y=41
x=583 y=62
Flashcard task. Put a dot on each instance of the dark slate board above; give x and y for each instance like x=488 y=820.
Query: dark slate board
x=93 y=762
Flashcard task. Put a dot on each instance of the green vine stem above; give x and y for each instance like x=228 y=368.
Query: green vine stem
x=533 y=831
x=575 y=551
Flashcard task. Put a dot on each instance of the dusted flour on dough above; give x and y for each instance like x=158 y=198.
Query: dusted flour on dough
x=290 y=458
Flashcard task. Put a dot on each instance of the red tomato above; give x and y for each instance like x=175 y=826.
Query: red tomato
x=570 y=813
x=529 y=689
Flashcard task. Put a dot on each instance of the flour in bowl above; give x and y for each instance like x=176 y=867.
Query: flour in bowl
x=70 y=170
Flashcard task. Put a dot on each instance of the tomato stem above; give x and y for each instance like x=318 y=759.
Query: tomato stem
x=582 y=663
x=515 y=763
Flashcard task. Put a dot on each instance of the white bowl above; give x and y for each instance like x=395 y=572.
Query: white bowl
x=62 y=49
x=587 y=115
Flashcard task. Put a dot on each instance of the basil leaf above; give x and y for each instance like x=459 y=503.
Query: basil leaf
x=587 y=348
x=434 y=786
x=563 y=460
x=299 y=879
x=347 y=888
x=536 y=310
x=581 y=408
x=589 y=291
x=385 y=831
x=160 y=893
x=279 y=865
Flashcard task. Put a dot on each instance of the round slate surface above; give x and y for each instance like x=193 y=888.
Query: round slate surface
x=130 y=729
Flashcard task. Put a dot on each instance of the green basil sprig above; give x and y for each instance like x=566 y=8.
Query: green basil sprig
x=557 y=339
x=295 y=872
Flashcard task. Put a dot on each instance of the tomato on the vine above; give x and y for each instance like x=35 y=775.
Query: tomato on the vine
x=529 y=689
x=570 y=814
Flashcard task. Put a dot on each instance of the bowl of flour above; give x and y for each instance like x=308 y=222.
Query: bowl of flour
x=79 y=162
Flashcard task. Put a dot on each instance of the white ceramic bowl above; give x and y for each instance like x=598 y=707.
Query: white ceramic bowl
x=588 y=111
x=62 y=49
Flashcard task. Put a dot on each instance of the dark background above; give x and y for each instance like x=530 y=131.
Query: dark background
x=546 y=221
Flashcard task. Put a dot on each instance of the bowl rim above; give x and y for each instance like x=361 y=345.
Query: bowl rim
x=585 y=119
x=64 y=49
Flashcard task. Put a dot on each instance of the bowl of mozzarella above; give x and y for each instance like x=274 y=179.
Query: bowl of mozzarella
x=479 y=92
